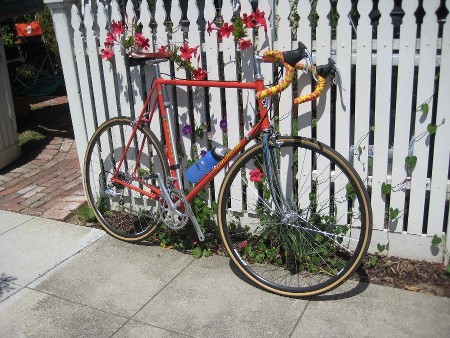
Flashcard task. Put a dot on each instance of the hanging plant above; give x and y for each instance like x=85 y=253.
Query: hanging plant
x=130 y=37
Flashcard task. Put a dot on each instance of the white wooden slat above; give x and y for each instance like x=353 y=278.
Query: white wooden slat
x=199 y=105
x=64 y=36
x=362 y=89
x=425 y=89
x=441 y=143
x=94 y=65
x=145 y=19
x=247 y=62
x=210 y=49
x=284 y=43
x=305 y=109
x=232 y=103
x=137 y=90
x=83 y=71
x=323 y=52
x=382 y=110
x=108 y=70
x=121 y=74
x=405 y=82
x=265 y=39
x=342 y=123
x=182 y=97
x=304 y=80
x=362 y=93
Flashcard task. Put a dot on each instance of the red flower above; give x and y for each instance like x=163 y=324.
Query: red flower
x=163 y=49
x=186 y=51
x=256 y=175
x=117 y=28
x=248 y=21
x=107 y=54
x=199 y=74
x=225 y=31
x=141 y=41
x=243 y=244
x=260 y=19
x=244 y=44
x=210 y=27
x=110 y=39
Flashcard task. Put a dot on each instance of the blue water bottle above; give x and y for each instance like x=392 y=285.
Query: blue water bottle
x=205 y=164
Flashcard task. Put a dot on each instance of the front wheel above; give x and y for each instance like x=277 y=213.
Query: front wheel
x=308 y=238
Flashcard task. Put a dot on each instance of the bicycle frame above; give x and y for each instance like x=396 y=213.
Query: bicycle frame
x=163 y=102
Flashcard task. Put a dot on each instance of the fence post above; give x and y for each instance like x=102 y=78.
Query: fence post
x=61 y=10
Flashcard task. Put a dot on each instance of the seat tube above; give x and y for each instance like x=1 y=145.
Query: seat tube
x=167 y=114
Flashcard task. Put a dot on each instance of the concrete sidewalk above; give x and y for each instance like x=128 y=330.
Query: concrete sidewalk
x=63 y=280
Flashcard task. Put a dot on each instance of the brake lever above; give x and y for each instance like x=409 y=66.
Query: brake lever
x=337 y=81
x=310 y=60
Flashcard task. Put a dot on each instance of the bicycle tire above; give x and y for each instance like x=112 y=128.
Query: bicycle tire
x=322 y=235
x=123 y=212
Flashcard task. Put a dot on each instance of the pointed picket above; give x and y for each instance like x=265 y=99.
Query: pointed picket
x=439 y=179
x=83 y=71
x=405 y=83
x=121 y=73
x=425 y=91
x=107 y=66
x=342 y=117
x=94 y=65
x=382 y=110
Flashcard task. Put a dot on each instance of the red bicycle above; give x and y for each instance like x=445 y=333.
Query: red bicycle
x=300 y=223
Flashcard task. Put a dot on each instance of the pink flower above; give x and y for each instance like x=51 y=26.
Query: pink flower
x=110 y=39
x=141 y=41
x=243 y=244
x=210 y=27
x=107 y=54
x=163 y=49
x=199 y=74
x=248 y=21
x=186 y=51
x=260 y=19
x=117 y=28
x=244 y=44
x=256 y=175
x=225 y=31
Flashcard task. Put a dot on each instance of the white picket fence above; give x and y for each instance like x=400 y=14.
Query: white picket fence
x=375 y=123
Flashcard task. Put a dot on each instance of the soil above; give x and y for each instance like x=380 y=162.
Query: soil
x=401 y=273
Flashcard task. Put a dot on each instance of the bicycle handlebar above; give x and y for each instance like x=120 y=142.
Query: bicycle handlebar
x=290 y=60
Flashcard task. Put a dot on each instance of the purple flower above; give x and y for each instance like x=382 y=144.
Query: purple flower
x=186 y=129
x=203 y=153
x=223 y=124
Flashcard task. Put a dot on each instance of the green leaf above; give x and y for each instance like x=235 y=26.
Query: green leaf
x=424 y=108
x=197 y=252
x=206 y=253
x=360 y=150
x=314 y=123
x=372 y=262
x=431 y=128
x=436 y=240
x=385 y=188
x=370 y=162
x=410 y=162
x=393 y=213
x=381 y=247
x=448 y=269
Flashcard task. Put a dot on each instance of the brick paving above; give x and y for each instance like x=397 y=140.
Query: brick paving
x=46 y=181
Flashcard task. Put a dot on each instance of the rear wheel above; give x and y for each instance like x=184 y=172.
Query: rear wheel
x=309 y=237
x=123 y=212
